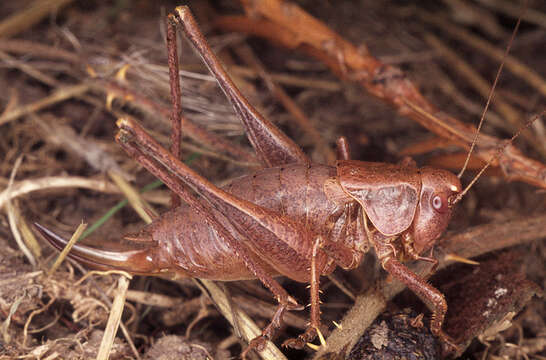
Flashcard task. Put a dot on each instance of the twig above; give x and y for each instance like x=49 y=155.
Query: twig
x=471 y=14
x=66 y=137
x=111 y=89
x=67 y=248
x=142 y=208
x=25 y=47
x=189 y=128
x=246 y=72
x=29 y=70
x=509 y=9
x=288 y=79
x=513 y=116
x=238 y=319
x=29 y=16
x=514 y=65
x=52 y=182
x=246 y=53
x=106 y=300
x=31 y=316
x=446 y=85
x=113 y=319
x=12 y=218
x=61 y=94
x=152 y=299
x=287 y=24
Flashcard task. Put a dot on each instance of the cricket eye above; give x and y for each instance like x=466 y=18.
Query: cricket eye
x=439 y=203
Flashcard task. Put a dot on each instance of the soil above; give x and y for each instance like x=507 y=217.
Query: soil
x=69 y=140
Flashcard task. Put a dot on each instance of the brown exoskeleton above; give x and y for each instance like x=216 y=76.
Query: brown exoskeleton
x=292 y=218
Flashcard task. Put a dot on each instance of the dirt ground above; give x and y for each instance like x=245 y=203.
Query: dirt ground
x=68 y=73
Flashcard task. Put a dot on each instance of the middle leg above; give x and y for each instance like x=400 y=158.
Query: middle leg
x=313 y=329
x=431 y=296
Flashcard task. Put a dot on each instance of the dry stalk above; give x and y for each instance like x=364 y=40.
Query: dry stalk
x=30 y=16
x=13 y=216
x=509 y=8
x=79 y=231
x=26 y=47
x=513 y=116
x=151 y=299
x=287 y=79
x=107 y=301
x=14 y=219
x=66 y=137
x=5 y=325
x=31 y=316
x=247 y=54
x=53 y=182
x=142 y=208
x=29 y=70
x=285 y=23
x=114 y=318
x=238 y=319
x=514 y=65
x=61 y=94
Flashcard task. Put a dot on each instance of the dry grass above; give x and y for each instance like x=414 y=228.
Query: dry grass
x=68 y=77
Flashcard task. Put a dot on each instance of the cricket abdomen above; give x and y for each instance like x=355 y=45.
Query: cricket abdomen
x=295 y=191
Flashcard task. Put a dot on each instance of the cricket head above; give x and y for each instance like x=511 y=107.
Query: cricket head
x=439 y=189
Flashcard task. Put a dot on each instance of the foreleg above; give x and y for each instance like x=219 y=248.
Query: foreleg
x=409 y=250
x=431 y=296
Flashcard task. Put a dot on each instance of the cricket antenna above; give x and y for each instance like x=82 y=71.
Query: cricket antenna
x=499 y=152
x=489 y=98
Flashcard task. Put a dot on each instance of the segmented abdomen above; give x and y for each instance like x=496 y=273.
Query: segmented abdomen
x=295 y=191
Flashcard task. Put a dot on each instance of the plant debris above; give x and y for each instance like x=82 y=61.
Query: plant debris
x=71 y=69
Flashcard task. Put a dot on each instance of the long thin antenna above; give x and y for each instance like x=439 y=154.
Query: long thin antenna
x=490 y=96
x=499 y=152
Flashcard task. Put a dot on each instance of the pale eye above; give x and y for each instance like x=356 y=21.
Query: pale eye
x=437 y=202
